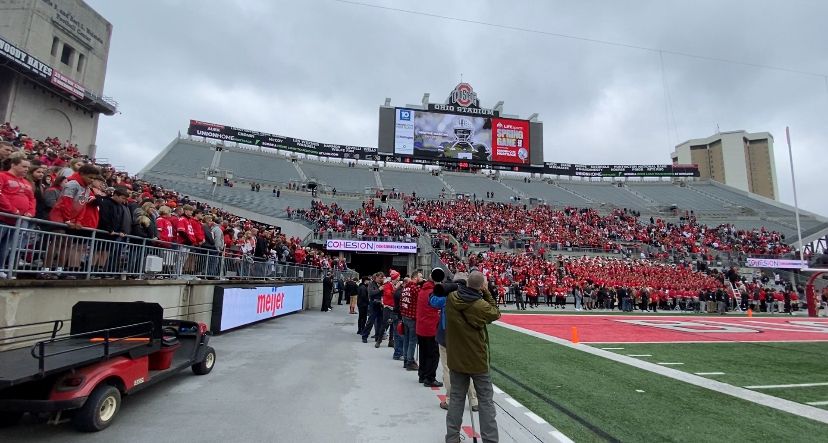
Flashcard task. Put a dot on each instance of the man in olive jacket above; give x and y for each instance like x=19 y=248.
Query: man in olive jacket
x=468 y=310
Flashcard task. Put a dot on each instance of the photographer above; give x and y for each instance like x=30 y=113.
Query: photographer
x=468 y=310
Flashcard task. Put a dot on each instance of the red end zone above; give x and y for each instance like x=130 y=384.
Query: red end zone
x=661 y=329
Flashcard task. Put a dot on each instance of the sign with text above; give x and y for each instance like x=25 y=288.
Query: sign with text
x=234 y=307
x=23 y=60
x=371 y=246
x=753 y=262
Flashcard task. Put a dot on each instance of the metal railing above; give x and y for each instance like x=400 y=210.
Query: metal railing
x=34 y=248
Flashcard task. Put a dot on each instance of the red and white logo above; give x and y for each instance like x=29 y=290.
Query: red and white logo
x=463 y=95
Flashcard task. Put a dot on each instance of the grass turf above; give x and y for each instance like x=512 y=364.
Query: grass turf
x=747 y=364
x=590 y=398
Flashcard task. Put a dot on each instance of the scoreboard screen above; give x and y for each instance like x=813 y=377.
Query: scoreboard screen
x=456 y=137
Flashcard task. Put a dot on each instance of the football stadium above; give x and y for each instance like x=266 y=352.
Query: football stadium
x=684 y=299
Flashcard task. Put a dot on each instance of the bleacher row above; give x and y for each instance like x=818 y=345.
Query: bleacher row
x=181 y=166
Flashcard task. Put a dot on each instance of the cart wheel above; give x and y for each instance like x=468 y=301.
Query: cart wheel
x=9 y=418
x=99 y=410
x=205 y=366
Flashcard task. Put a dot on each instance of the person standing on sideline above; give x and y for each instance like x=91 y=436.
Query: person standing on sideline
x=408 y=311
x=327 y=292
x=362 y=304
x=351 y=294
x=340 y=289
x=468 y=310
x=374 y=308
x=438 y=300
x=426 y=328
x=388 y=290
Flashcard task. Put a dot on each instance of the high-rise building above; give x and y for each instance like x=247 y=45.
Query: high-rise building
x=53 y=56
x=736 y=158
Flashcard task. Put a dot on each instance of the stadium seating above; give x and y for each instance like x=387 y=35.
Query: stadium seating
x=339 y=176
x=426 y=186
x=184 y=157
x=549 y=193
x=259 y=167
x=477 y=185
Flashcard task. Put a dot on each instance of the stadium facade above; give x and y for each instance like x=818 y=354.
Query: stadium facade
x=739 y=159
x=53 y=59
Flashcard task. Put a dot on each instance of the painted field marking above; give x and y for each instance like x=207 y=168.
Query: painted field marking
x=709 y=373
x=670 y=363
x=560 y=437
x=535 y=418
x=770 y=401
x=612 y=349
x=639 y=355
x=800 y=385
x=513 y=402
x=817 y=403
x=639 y=390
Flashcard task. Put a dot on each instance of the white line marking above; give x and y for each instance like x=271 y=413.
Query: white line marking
x=780 y=404
x=709 y=373
x=497 y=390
x=639 y=355
x=670 y=363
x=535 y=418
x=560 y=437
x=818 y=403
x=513 y=402
x=800 y=385
x=612 y=349
x=639 y=390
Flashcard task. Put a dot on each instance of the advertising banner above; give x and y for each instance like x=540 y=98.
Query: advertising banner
x=510 y=139
x=753 y=262
x=234 y=307
x=371 y=246
x=67 y=84
x=575 y=170
x=297 y=145
x=23 y=60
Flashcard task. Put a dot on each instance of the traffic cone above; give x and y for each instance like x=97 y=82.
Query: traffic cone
x=750 y=312
x=575 y=335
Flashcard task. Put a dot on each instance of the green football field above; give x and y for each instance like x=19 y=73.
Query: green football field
x=591 y=398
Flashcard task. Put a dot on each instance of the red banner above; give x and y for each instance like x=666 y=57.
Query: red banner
x=510 y=141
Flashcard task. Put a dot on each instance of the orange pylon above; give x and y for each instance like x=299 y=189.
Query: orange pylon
x=750 y=312
x=575 y=335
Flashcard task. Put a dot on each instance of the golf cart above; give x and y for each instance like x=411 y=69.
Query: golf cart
x=112 y=349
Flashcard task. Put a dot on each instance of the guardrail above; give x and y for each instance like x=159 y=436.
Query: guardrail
x=34 y=248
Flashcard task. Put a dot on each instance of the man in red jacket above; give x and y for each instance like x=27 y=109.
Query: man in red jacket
x=16 y=197
x=426 y=328
x=388 y=307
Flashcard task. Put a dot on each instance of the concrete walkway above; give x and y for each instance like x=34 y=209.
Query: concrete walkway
x=305 y=377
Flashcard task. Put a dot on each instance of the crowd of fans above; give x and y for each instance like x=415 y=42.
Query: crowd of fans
x=491 y=223
x=51 y=181
x=369 y=221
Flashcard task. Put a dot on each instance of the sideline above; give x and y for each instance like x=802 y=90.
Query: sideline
x=780 y=404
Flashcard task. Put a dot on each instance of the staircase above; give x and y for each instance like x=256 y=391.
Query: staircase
x=520 y=194
x=448 y=187
x=650 y=202
x=572 y=192
x=378 y=179
x=301 y=172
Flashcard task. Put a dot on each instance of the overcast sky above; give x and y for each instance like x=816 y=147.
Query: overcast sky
x=319 y=69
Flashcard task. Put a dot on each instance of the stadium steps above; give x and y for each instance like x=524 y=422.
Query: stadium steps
x=448 y=187
x=650 y=201
x=378 y=179
x=581 y=196
x=710 y=196
x=300 y=172
x=515 y=191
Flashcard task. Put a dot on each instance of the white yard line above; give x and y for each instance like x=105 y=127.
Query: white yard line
x=513 y=402
x=800 y=385
x=639 y=355
x=612 y=349
x=669 y=363
x=780 y=404
x=560 y=437
x=818 y=403
x=710 y=373
x=535 y=418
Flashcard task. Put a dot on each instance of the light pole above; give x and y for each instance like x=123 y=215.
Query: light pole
x=796 y=202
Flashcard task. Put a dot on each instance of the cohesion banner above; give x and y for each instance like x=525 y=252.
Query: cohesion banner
x=753 y=262
x=371 y=246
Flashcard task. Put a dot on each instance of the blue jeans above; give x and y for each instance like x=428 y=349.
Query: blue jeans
x=409 y=339
x=398 y=339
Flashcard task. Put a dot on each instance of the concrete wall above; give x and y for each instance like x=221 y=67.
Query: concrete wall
x=24 y=303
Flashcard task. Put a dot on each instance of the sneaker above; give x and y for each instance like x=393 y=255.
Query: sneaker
x=412 y=366
x=397 y=357
x=390 y=343
x=422 y=380
x=365 y=340
x=433 y=384
x=443 y=405
x=377 y=345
